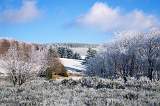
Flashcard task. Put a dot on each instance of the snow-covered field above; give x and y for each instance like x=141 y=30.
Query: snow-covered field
x=73 y=66
x=2 y=71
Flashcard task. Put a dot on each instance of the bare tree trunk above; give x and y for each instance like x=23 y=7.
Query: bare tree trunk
x=132 y=65
x=150 y=69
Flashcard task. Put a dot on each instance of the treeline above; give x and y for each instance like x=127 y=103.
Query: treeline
x=130 y=55
x=75 y=45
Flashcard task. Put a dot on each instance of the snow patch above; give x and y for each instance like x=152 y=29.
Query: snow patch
x=73 y=65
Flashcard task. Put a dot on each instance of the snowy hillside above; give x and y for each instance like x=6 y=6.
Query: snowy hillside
x=73 y=65
x=2 y=71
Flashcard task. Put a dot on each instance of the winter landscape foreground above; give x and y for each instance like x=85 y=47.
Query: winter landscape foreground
x=124 y=72
x=81 y=91
x=88 y=91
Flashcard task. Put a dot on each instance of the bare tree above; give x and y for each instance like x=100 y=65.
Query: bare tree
x=149 y=50
x=22 y=66
x=17 y=65
x=46 y=62
x=39 y=60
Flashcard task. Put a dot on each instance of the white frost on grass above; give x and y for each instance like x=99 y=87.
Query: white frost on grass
x=88 y=91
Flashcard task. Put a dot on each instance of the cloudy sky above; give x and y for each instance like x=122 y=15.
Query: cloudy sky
x=87 y=21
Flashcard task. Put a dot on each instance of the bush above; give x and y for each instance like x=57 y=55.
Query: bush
x=81 y=92
x=55 y=71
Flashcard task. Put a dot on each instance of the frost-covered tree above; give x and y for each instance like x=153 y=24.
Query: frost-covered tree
x=39 y=59
x=18 y=65
x=22 y=66
x=130 y=55
x=149 y=51
x=96 y=66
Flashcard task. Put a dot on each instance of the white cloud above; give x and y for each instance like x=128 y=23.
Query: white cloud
x=27 y=12
x=105 y=18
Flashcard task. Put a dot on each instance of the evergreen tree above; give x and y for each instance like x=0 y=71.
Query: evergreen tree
x=76 y=56
x=90 y=54
x=65 y=52
x=61 y=51
x=69 y=53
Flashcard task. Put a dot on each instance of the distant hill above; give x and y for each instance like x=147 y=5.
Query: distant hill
x=80 y=48
x=75 y=45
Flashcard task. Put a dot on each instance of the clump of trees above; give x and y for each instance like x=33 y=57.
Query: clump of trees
x=22 y=66
x=65 y=52
x=76 y=56
x=130 y=55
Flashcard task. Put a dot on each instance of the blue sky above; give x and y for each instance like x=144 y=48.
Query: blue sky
x=86 y=21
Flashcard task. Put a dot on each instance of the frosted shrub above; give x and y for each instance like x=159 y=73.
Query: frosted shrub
x=18 y=65
x=144 y=79
x=86 y=91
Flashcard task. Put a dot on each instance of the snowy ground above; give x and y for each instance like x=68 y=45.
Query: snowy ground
x=73 y=66
x=2 y=71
